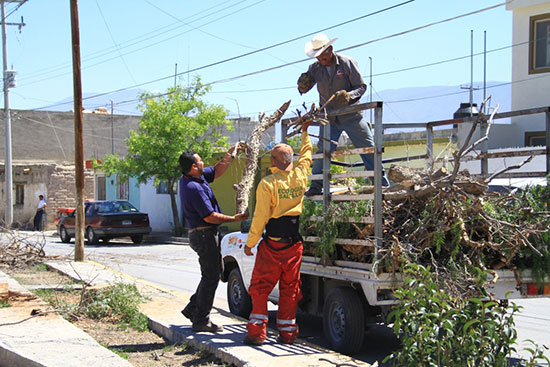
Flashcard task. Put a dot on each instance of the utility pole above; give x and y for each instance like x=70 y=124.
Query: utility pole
x=9 y=81
x=78 y=139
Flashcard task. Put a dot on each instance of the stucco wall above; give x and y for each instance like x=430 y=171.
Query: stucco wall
x=158 y=207
x=47 y=135
x=528 y=90
x=55 y=182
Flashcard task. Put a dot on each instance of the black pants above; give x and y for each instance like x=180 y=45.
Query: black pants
x=205 y=244
x=38 y=220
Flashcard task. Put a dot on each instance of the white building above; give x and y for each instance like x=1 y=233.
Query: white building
x=530 y=68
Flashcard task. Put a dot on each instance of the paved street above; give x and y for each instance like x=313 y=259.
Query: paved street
x=175 y=267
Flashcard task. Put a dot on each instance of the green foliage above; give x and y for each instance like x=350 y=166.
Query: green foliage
x=295 y=142
x=119 y=300
x=122 y=352
x=437 y=329
x=331 y=227
x=172 y=123
x=4 y=304
x=524 y=209
x=323 y=229
x=39 y=267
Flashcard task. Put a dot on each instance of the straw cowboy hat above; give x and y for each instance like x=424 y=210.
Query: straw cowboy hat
x=318 y=44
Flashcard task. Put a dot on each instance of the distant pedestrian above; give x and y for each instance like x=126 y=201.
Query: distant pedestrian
x=203 y=214
x=39 y=213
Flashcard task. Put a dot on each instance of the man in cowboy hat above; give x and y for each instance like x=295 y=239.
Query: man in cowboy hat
x=339 y=75
x=279 y=202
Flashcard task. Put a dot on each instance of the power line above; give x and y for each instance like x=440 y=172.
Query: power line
x=131 y=42
x=147 y=46
x=114 y=42
x=244 y=55
x=424 y=26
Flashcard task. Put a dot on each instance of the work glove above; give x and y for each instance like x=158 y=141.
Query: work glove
x=341 y=99
x=305 y=82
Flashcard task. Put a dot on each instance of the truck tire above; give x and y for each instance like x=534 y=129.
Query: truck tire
x=343 y=320
x=237 y=297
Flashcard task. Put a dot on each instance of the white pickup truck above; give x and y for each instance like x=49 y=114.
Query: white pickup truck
x=348 y=295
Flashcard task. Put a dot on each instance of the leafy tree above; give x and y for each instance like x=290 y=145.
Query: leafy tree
x=173 y=122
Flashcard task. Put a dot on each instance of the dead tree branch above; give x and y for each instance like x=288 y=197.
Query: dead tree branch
x=244 y=187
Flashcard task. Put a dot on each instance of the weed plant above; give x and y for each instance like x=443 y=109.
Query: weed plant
x=436 y=329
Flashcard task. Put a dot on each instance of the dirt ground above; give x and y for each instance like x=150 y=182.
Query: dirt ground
x=141 y=349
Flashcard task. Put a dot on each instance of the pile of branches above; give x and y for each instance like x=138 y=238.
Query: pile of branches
x=444 y=219
x=452 y=223
x=18 y=250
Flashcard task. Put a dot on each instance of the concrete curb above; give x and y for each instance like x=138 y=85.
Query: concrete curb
x=164 y=317
x=45 y=339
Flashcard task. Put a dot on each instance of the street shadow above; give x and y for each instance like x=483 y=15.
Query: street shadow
x=234 y=334
x=118 y=243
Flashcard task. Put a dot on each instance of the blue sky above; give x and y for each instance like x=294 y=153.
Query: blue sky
x=129 y=43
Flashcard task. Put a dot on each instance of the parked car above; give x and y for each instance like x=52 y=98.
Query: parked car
x=62 y=212
x=107 y=219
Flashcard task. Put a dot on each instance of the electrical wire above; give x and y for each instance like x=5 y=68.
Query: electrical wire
x=131 y=42
x=344 y=49
x=248 y=54
x=114 y=42
x=147 y=46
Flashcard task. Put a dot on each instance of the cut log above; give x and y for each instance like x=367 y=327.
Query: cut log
x=397 y=174
x=244 y=187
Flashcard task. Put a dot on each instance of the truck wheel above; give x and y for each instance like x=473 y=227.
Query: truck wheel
x=343 y=320
x=237 y=297
x=137 y=238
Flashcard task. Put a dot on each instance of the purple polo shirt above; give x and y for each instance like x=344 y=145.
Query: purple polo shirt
x=197 y=199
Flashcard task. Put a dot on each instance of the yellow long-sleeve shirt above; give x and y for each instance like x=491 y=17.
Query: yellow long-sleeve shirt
x=281 y=193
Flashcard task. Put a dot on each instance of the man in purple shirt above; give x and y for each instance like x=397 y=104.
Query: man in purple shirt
x=203 y=214
x=337 y=75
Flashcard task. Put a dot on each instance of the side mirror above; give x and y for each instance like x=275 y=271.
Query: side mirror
x=245 y=225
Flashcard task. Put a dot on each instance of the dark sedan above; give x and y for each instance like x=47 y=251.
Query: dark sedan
x=105 y=220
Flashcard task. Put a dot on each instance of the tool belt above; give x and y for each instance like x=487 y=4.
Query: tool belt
x=286 y=229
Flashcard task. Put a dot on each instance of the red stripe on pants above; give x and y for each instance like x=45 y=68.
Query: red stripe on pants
x=271 y=267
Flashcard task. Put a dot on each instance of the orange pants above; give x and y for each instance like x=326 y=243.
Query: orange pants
x=274 y=266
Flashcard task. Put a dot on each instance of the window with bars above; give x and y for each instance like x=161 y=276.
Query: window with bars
x=122 y=189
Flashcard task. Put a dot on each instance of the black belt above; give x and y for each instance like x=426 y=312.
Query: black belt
x=290 y=242
x=204 y=228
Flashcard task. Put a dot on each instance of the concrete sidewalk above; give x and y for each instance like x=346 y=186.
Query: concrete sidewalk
x=163 y=312
x=45 y=340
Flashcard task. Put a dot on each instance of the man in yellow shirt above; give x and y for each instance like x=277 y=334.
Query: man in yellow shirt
x=279 y=202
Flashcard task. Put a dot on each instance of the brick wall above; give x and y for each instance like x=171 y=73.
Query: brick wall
x=62 y=190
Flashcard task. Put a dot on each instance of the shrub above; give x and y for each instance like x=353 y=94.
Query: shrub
x=436 y=329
